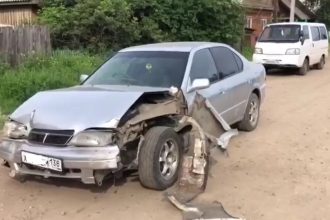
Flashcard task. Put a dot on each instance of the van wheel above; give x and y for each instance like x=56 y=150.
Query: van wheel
x=160 y=158
x=304 y=69
x=320 y=65
x=251 y=116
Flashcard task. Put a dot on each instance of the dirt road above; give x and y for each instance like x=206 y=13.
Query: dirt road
x=280 y=171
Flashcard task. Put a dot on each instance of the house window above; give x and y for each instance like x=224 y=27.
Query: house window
x=249 y=22
x=264 y=22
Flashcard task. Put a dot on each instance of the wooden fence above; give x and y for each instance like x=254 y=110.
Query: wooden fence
x=20 y=42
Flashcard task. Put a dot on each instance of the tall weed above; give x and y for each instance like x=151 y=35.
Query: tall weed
x=39 y=73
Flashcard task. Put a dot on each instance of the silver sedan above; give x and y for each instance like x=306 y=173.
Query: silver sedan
x=129 y=114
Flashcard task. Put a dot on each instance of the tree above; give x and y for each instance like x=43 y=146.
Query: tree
x=113 y=24
x=321 y=9
x=323 y=12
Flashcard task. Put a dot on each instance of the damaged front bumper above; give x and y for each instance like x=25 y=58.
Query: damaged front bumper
x=84 y=163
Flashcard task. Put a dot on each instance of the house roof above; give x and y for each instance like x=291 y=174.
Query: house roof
x=20 y=2
x=301 y=11
x=259 y=4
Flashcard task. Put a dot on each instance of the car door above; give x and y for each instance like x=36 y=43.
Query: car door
x=234 y=81
x=316 y=45
x=203 y=67
x=307 y=47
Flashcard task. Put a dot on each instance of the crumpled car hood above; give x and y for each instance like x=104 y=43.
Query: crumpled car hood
x=77 y=108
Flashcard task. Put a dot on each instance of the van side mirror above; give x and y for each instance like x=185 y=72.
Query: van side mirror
x=302 y=38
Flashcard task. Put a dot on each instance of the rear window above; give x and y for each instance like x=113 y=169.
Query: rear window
x=323 y=31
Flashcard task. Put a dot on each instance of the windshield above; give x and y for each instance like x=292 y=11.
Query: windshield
x=281 y=33
x=142 y=68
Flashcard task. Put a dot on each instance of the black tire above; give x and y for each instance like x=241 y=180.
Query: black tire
x=150 y=155
x=321 y=64
x=247 y=124
x=305 y=67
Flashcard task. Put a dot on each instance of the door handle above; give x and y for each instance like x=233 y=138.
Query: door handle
x=222 y=92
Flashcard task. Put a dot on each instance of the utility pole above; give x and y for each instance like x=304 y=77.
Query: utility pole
x=292 y=10
x=275 y=5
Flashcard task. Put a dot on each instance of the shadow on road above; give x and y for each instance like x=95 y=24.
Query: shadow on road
x=282 y=72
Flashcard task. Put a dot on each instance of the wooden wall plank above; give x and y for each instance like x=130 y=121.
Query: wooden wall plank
x=20 y=42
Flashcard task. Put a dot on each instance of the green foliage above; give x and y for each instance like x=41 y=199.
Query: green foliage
x=248 y=52
x=40 y=73
x=103 y=24
x=202 y=20
x=3 y=118
x=92 y=24
x=321 y=9
x=323 y=12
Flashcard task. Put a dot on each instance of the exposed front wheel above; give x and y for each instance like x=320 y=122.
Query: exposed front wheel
x=304 y=69
x=251 y=116
x=160 y=158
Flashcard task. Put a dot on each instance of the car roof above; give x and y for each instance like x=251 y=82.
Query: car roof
x=172 y=46
x=298 y=23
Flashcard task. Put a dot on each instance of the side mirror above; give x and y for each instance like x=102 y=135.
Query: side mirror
x=302 y=38
x=83 y=77
x=199 y=84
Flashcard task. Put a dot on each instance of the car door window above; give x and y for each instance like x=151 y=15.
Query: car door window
x=315 y=33
x=324 y=35
x=239 y=62
x=306 y=32
x=203 y=66
x=226 y=62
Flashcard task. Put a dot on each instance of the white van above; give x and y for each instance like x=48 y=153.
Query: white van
x=292 y=45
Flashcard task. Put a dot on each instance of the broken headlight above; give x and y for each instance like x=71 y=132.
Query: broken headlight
x=92 y=139
x=15 y=130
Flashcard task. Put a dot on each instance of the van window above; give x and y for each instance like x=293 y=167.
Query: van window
x=324 y=35
x=306 y=32
x=315 y=33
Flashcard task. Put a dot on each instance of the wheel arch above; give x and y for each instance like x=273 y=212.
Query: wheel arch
x=257 y=92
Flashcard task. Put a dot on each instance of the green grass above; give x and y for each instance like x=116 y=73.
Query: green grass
x=248 y=52
x=38 y=73
x=2 y=121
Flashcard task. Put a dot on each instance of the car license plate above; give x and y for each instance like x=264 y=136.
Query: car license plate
x=272 y=61
x=42 y=161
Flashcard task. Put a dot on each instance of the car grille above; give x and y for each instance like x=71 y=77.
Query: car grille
x=51 y=137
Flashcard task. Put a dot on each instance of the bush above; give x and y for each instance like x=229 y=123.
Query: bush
x=104 y=24
x=248 y=52
x=91 y=24
x=200 y=20
x=43 y=73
